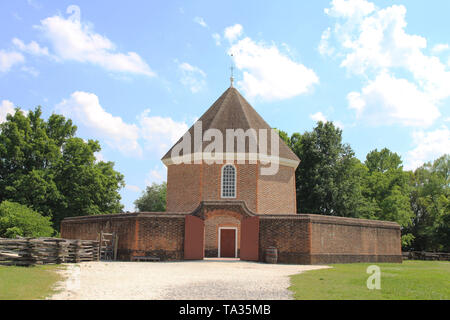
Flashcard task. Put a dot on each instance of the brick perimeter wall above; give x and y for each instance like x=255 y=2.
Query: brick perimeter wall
x=300 y=239
x=160 y=235
x=345 y=240
x=317 y=239
x=290 y=236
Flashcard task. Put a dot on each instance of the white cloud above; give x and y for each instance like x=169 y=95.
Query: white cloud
x=373 y=43
x=269 y=74
x=429 y=146
x=32 y=48
x=388 y=100
x=200 y=21
x=85 y=108
x=217 y=38
x=350 y=9
x=160 y=133
x=6 y=107
x=30 y=70
x=192 y=77
x=9 y=59
x=439 y=48
x=132 y=188
x=318 y=116
x=233 y=32
x=324 y=47
x=157 y=133
x=156 y=175
x=75 y=40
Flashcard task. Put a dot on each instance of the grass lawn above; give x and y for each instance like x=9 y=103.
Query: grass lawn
x=28 y=283
x=417 y=280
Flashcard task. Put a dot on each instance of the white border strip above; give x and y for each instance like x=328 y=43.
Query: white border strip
x=226 y=157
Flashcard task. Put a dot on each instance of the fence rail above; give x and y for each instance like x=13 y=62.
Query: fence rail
x=30 y=251
x=422 y=255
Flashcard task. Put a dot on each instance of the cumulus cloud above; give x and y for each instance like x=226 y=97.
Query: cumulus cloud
x=374 y=44
x=439 y=48
x=389 y=100
x=233 y=32
x=6 y=107
x=160 y=133
x=200 y=21
x=318 y=116
x=32 y=48
x=429 y=146
x=156 y=175
x=132 y=188
x=10 y=58
x=192 y=77
x=85 y=108
x=217 y=39
x=268 y=73
x=156 y=133
x=73 y=39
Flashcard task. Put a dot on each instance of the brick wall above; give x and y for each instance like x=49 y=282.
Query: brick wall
x=341 y=240
x=317 y=239
x=289 y=234
x=188 y=184
x=147 y=234
x=276 y=193
x=183 y=187
x=300 y=239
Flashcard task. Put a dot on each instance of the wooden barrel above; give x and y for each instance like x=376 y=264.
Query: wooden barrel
x=271 y=255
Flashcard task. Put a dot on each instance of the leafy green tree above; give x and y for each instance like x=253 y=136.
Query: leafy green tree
x=19 y=220
x=387 y=189
x=153 y=199
x=328 y=178
x=44 y=166
x=430 y=202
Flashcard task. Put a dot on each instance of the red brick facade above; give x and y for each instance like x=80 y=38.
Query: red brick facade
x=189 y=184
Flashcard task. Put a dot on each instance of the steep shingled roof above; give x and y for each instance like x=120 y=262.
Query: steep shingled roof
x=232 y=111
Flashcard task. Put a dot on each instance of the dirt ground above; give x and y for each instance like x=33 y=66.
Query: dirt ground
x=207 y=279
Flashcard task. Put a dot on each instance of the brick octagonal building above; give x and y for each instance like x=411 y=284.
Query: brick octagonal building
x=230 y=209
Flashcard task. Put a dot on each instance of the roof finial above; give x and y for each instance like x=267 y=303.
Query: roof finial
x=231 y=78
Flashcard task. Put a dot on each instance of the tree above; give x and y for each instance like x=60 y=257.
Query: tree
x=19 y=220
x=387 y=188
x=430 y=202
x=328 y=178
x=153 y=199
x=44 y=166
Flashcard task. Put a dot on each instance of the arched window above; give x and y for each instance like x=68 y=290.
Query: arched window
x=228 y=181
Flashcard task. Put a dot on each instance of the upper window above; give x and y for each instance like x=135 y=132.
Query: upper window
x=228 y=181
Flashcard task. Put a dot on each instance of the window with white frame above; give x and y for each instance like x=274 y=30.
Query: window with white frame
x=228 y=181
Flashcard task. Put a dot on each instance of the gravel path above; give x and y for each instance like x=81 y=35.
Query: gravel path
x=205 y=279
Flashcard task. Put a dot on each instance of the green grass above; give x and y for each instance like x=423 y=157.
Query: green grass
x=28 y=283
x=411 y=280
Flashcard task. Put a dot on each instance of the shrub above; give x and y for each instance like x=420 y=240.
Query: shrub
x=19 y=220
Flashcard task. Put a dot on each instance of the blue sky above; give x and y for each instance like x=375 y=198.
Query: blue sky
x=136 y=74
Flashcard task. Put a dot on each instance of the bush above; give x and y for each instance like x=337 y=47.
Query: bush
x=19 y=220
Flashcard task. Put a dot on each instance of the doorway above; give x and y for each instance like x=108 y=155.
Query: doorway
x=227 y=242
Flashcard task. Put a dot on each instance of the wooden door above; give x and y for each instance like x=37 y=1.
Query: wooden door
x=227 y=243
x=193 y=238
x=249 y=239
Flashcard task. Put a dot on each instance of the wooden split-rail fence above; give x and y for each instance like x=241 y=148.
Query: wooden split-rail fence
x=31 y=251
x=422 y=255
